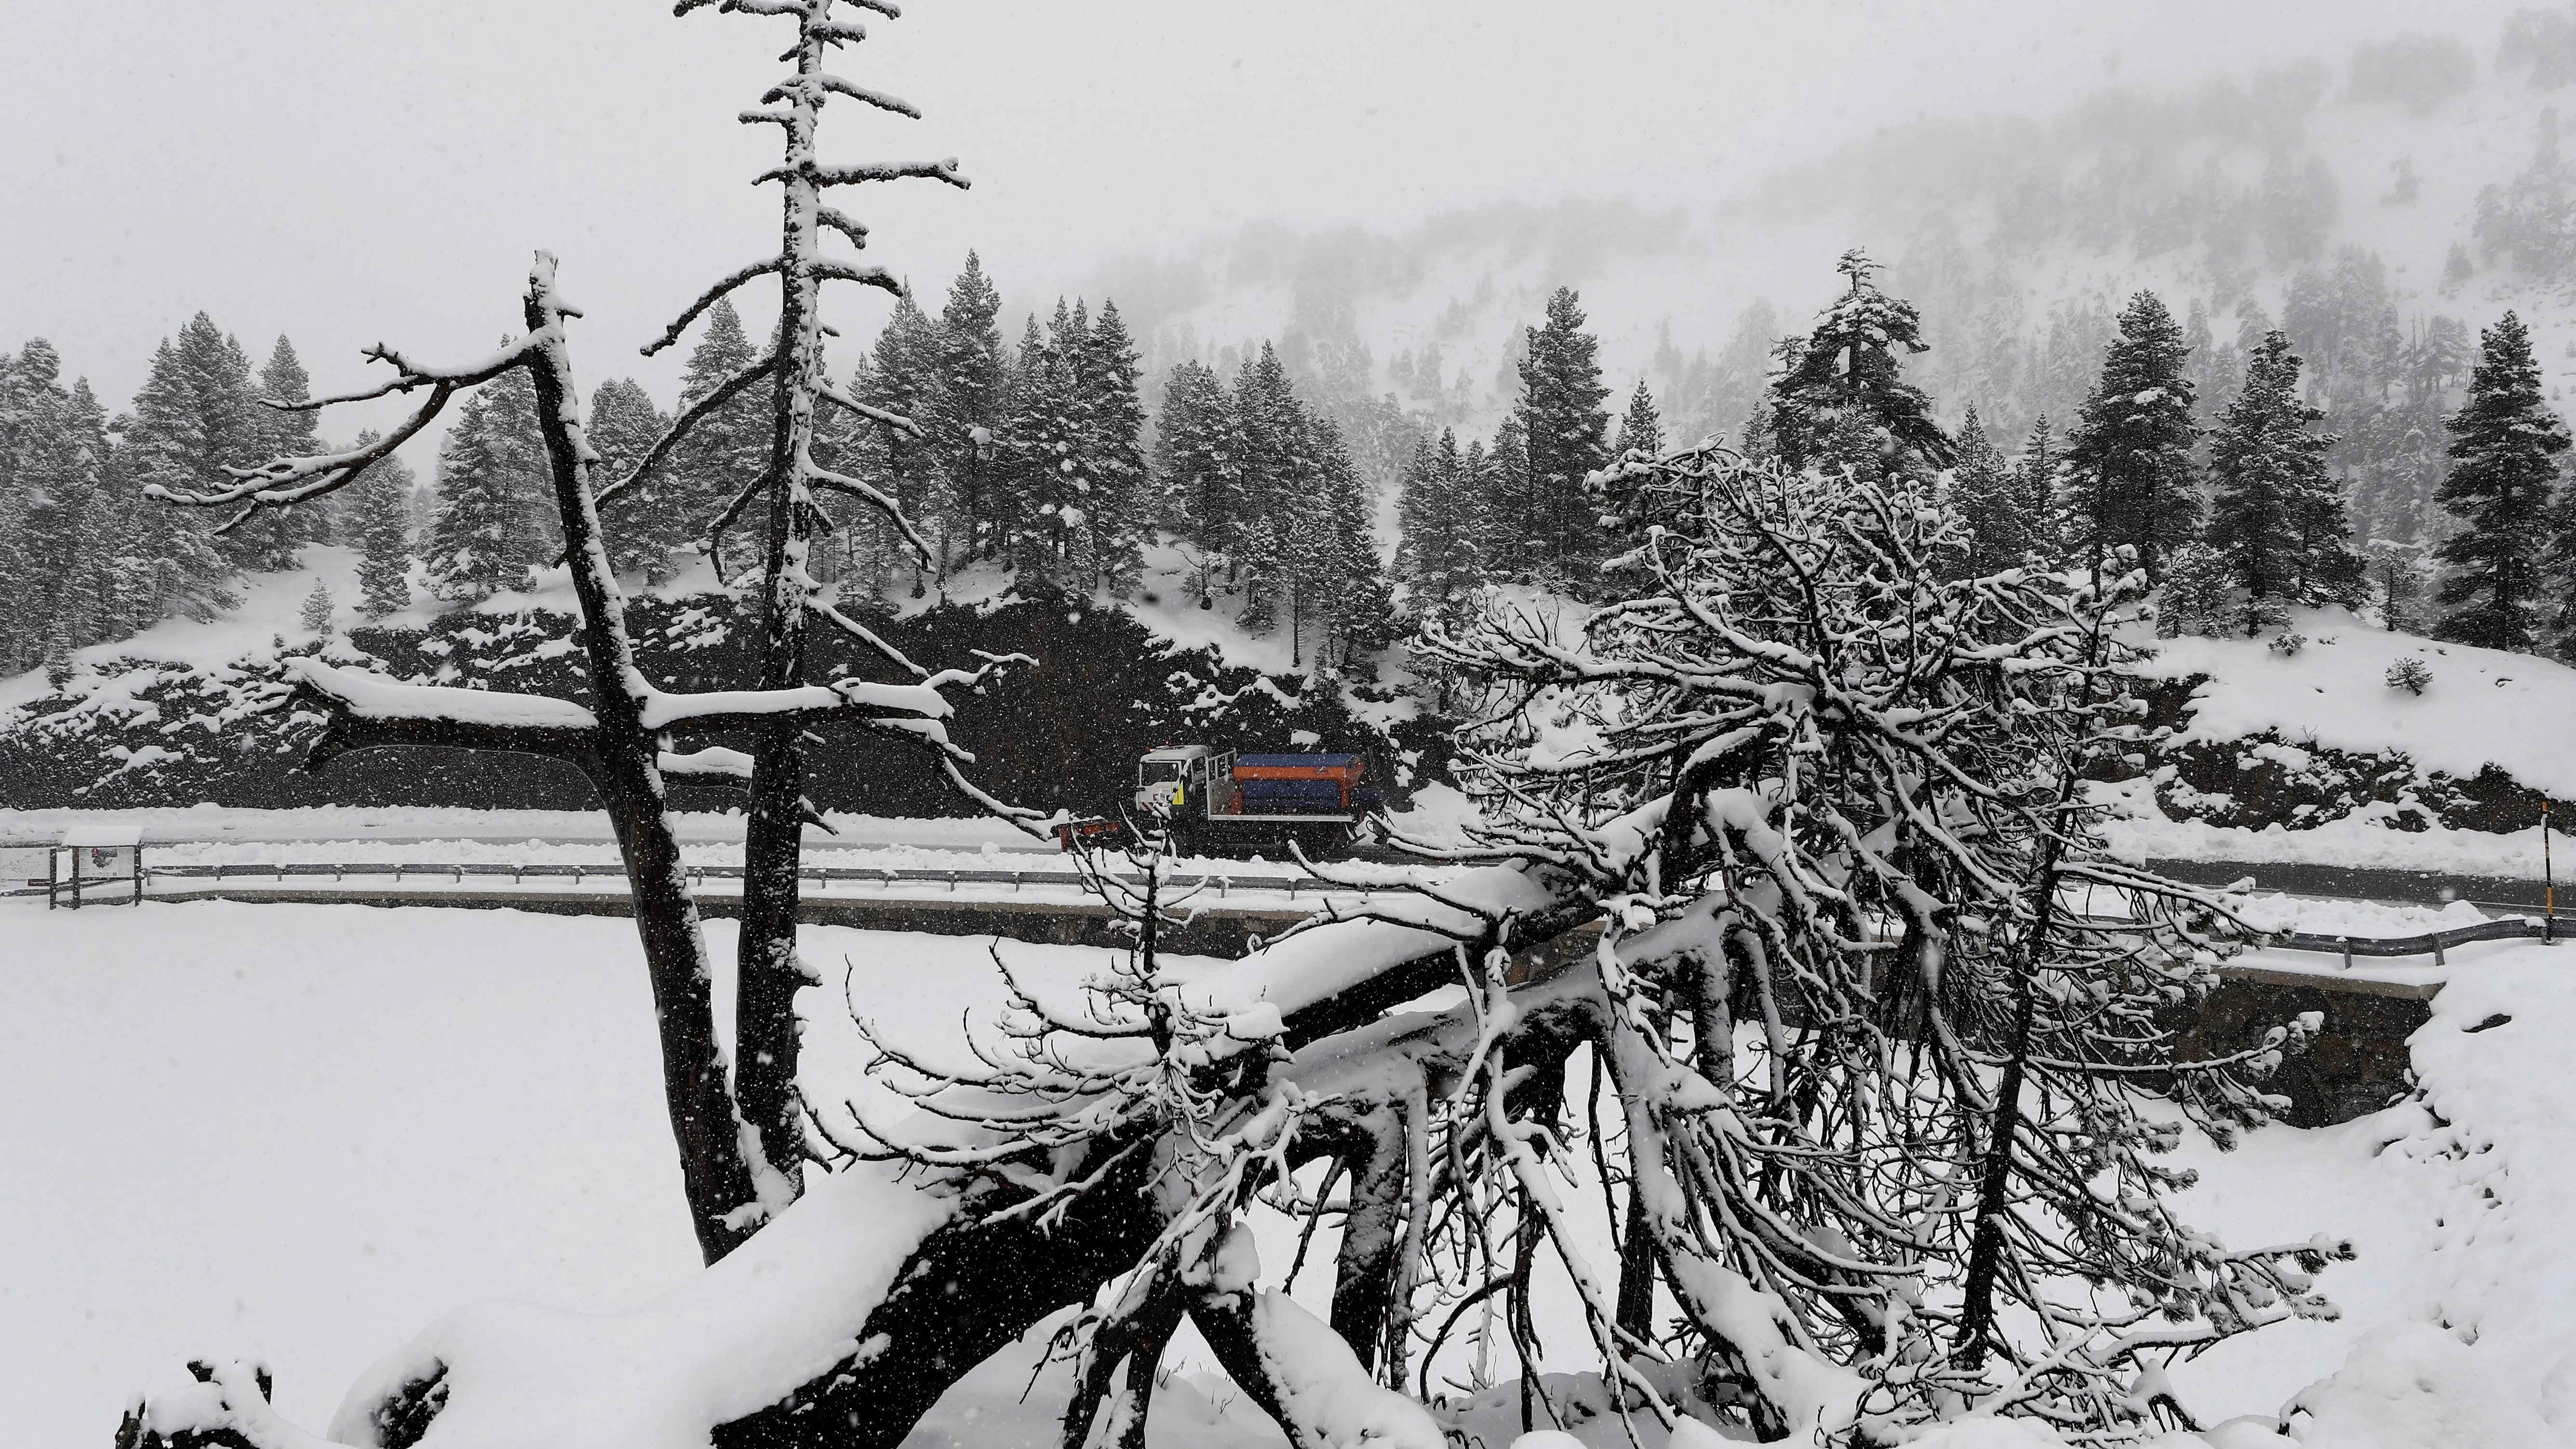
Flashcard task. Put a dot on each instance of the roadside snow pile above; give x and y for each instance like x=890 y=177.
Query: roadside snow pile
x=2322 y=917
x=2459 y=1322
x=2483 y=706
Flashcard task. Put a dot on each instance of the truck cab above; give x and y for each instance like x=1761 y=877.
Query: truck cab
x=1190 y=781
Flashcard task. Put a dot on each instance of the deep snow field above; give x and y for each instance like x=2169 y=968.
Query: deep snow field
x=302 y=1133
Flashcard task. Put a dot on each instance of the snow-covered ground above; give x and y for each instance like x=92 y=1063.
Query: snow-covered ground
x=286 y=1131
x=2139 y=829
x=2484 y=706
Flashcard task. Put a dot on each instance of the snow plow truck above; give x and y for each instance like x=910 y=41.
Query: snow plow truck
x=1222 y=803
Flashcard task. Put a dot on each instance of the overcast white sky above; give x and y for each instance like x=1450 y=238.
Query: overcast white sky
x=345 y=171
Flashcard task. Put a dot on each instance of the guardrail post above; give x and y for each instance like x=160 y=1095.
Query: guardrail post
x=2438 y=958
x=2346 y=942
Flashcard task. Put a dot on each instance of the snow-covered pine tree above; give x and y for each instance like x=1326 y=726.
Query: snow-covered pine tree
x=1439 y=513
x=2504 y=452
x=1988 y=492
x=1840 y=398
x=1195 y=465
x=1343 y=587
x=1641 y=431
x=1124 y=512
x=2036 y=469
x=317 y=611
x=489 y=531
x=2397 y=586
x=377 y=515
x=52 y=442
x=2276 y=518
x=270 y=541
x=1273 y=443
x=2129 y=476
x=2198 y=595
x=191 y=418
x=904 y=377
x=1565 y=439
x=720 y=456
x=1051 y=491
x=966 y=412
x=1499 y=475
x=624 y=424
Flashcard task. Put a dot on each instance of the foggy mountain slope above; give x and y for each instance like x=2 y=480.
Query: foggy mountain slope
x=2018 y=237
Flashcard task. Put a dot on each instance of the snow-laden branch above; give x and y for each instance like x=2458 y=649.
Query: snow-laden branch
x=709 y=298
x=827 y=270
x=714 y=761
x=672 y=436
x=856 y=173
x=819 y=83
x=281 y=482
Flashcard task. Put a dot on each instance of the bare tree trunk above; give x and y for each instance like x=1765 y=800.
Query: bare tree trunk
x=624 y=767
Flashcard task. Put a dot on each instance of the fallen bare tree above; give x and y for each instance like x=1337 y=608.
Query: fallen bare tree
x=1877 y=1013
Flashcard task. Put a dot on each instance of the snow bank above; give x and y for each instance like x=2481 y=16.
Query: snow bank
x=778 y=1312
x=2485 y=706
x=2459 y=1319
x=2140 y=830
x=2412 y=1384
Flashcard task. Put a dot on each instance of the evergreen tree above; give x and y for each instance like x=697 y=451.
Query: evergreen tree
x=1196 y=467
x=645 y=528
x=967 y=410
x=1641 y=432
x=58 y=658
x=726 y=452
x=2504 y=449
x=1124 y=511
x=2277 y=520
x=191 y=418
x=1272 y=439
x=316 y=615
x=1564 y=434
x=1841 y=399
x=1051 y=493
x=2036 y=481
x=1990 y=495
x=269 y=539
x=1356 y=601
x=1439 y=554
x=379 y=523
x=47 y=470
x=2397 y=580
x=903 y=377
x=493 y=491
x=2130 y=478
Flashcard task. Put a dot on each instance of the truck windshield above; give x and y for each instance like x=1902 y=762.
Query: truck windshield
x=1157 y=772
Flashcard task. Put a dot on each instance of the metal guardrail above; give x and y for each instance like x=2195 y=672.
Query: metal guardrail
x=2436 y=943
x=1222 y=881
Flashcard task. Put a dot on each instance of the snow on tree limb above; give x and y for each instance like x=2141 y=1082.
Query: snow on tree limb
x=709 y=298
x=818 y=83
x=681 y=426
x=860 y=172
